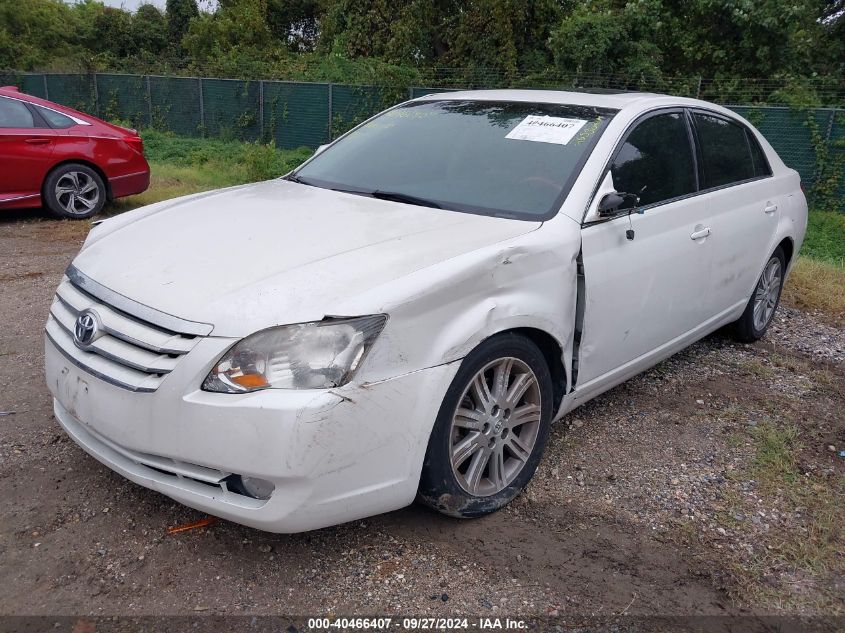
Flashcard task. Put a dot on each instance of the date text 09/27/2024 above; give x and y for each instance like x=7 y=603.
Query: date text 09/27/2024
x=416 y=624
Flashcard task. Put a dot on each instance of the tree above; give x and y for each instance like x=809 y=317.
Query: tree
x=610 y=38
x=149 y=30
x=179 y=16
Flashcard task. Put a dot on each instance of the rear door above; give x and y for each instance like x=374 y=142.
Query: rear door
x=26 y=149
x=743 y=205
x=642 y=295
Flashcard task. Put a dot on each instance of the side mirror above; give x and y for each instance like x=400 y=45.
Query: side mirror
x=614 y=202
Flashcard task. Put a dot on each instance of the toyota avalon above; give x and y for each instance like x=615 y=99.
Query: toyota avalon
x=404 y=316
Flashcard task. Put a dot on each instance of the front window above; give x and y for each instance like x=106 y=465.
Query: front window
x=508 y=159
x=14 y=114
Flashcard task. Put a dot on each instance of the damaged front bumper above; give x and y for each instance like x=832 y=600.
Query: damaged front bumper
x=331 y=455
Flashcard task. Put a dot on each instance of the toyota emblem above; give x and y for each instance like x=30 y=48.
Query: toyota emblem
x=86 y=329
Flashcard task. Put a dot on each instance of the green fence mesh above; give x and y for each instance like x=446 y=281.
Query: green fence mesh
x=232 y=109
x=123 y=98
x=297 y=114
x=175 y=105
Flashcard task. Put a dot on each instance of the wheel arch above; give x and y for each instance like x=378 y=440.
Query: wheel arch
x=553 y=353
x=787 y=245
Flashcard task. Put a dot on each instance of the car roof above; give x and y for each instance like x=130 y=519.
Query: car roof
x=602 y=99
x=599 y=99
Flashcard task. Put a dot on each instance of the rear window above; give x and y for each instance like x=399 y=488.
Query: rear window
x=54 y=118
x=725 y=151
x=761 y=163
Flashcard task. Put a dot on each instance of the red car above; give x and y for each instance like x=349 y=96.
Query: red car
x=67 y=161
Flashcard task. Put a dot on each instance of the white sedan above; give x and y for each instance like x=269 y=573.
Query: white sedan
x=405 y=314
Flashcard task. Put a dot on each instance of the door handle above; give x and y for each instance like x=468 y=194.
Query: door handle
x=700 y=235
x=38 y=141
x=771 y=208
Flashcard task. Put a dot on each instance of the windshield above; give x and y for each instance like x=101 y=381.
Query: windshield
x=509 y=159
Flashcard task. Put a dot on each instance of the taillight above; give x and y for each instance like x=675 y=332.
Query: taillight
x=136 y=143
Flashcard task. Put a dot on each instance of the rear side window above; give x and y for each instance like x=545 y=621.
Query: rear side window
x=725 y=151
x=14 y=114
x=761 y=163
x=54 y=118
x=655 y=161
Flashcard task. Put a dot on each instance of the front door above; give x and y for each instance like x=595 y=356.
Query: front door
x=26 y=149
x=644 y=295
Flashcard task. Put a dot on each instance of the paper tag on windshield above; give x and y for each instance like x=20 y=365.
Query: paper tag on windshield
x=546 y=129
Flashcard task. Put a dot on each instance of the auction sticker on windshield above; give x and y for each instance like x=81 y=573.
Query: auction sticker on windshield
x=546 y=129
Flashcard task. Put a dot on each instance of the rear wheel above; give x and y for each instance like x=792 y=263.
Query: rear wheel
x=74 y=191
x=760 y=311
x=491 y=429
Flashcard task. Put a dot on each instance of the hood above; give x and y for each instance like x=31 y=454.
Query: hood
x=277 y=252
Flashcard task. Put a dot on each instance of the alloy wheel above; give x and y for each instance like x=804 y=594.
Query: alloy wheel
x=495 y=426
x=77 y=192
x=767 y=293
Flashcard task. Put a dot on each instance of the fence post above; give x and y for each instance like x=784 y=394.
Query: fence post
x=202 y=109
x=331 y=109
x=149 y=102
x=830 y=126
x=698 y=92
x=261 y=110
x=96 y=96
x=46 y=90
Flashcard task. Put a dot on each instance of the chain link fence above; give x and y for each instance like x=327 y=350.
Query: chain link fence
x=295 y=114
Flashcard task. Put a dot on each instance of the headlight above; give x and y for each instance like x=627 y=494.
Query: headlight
x=317 y=355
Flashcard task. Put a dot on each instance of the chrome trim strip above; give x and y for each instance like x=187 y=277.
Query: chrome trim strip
x=115 y=359
x=120 y=335
x=135 y=309
x=137 y=173
x=94 y=372
x=31 y=195
x=75 y=119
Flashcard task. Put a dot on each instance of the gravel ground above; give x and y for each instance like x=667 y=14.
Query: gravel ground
x=711 y=484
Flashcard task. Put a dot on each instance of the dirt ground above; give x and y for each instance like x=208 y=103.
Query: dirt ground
x=712 y=484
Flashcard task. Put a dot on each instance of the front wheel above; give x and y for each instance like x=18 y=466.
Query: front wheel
x=491 y=429
x=760 y=311
x=74 y=191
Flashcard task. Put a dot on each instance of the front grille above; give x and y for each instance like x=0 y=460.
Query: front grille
x=131 y=352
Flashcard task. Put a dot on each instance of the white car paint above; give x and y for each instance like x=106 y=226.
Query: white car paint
x=226 y=264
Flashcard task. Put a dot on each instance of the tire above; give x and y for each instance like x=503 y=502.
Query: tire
x=74 y=191
x=480 y=482
x=764 y=301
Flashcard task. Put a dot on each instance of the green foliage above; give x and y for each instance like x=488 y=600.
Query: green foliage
x=249 y=161
x=829 y=179
x=796 y=50
x=599 y=38
x=825 y=240
x=180 y=13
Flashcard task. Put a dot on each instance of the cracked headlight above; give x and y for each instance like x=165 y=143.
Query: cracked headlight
x=317 y=355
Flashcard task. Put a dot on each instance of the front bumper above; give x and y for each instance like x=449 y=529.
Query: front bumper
x=333 y=455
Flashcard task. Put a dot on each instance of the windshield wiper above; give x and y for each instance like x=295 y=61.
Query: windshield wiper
x=298 y=180
x=397 y=196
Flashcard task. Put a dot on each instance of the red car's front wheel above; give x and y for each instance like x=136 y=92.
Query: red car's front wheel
x=74 y=191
